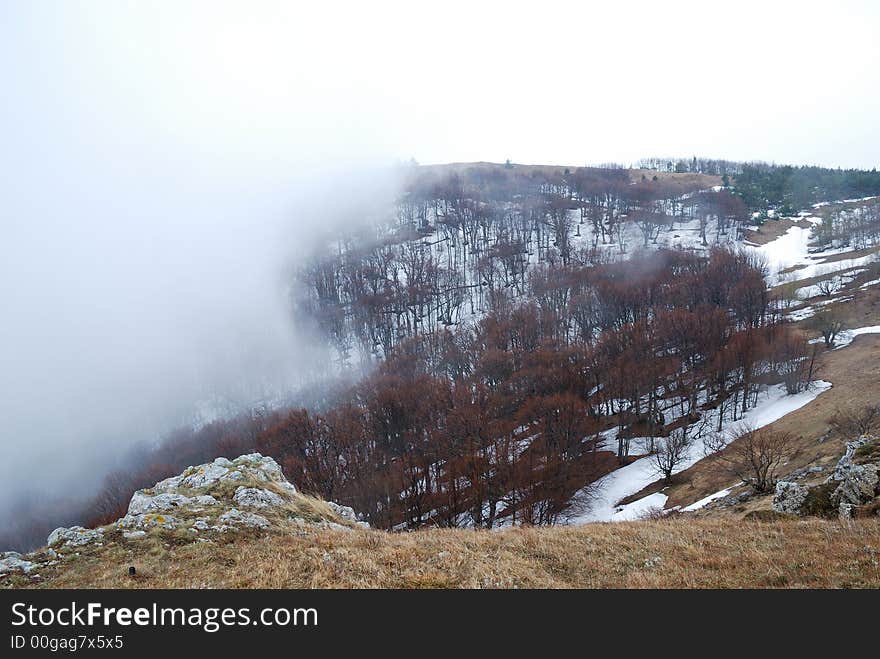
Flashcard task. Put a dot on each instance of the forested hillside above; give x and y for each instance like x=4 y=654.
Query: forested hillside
x=464 y=240
x=519 y=332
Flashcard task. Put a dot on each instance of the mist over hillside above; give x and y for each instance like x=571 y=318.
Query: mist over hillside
x=149 y=241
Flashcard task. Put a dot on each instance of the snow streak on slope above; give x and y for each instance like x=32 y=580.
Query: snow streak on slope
x=789 y=250
x=846 y=337
x=702 y=502
x=628 y=480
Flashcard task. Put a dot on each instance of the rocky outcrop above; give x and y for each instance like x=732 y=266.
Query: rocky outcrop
x=858 y=485
x=846 y=461
x=858 y=482
x=206 y=502
x=789 y=497
x=209 y=497
x=252 y=466
x=12 y=561
x=852 y=486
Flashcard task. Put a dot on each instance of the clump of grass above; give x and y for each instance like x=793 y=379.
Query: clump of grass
x=767 y=516
x=871 y=509
x=870 y=452
x=313 y=509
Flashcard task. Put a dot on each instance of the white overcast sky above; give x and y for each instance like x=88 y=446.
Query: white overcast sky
x=548 y=81
x=161 y=161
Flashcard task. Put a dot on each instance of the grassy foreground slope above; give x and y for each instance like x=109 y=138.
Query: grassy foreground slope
x=680 y=552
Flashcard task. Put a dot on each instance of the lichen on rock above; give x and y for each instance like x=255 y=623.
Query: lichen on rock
x=789 y=497
x=853 y=484
x=235 y=518
x=255 y=497
x=13 y=562
x=75 y=536
x=141 y=502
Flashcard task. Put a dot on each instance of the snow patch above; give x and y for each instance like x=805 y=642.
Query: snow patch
x=696 y=505
x=639 y=508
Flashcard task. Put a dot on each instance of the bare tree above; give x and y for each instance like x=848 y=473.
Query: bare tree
x=828 y=321
x=828 y=287
x=854 y=421
x=671 y=451
x=754 y=456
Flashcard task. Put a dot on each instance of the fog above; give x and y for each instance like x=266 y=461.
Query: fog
x=154 y=205
x=164 y=167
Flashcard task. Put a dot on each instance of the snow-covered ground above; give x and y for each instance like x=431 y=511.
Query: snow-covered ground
x=684 y=234
x=846 y=337
x=788 y=250
x=831 y=284
x=792 y=250
x=809 y=311
x=816 y=265
x=628 y=480
x=638 y=509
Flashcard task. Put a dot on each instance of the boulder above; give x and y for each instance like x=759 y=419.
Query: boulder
x=234 y=518
x=144 y=521
x=347 y=513
x=142 y=502
x=254 y=497
x=858 y=484
x=789 y=497
x=75 y=536
x=15 y=564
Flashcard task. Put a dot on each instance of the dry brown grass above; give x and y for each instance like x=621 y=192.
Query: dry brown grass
x=673 y=553
x=685 y=179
